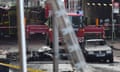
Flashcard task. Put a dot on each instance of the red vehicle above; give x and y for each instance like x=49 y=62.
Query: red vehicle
x=36 y=23
x=7 y=21
x=35 y=20
x=36 y=29
x=82 y=32
x=76 y=19
x=77 y=26
x=92 y=31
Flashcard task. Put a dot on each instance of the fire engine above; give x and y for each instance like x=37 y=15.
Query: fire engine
x=36 y=23
x=35 y=18
x=7 y=19
x=92 y=31
x=77 y=20
x=77 y=26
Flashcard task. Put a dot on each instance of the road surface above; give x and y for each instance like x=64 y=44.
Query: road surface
x=11 y=45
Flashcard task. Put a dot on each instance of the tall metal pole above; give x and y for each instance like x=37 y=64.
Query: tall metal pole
x=113 y=30
x=75 y=5
x=21 y=35
x=69 y=5
x=83 y=6
x=56 y=46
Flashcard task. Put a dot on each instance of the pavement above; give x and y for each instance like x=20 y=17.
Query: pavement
x=116 y=48
x=114 y=43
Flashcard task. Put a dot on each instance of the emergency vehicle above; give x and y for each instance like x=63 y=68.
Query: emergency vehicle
x=76 y=19
x=95 y=47
x=90 y=32
x=7 y=19
x=35 y=18
x=36 y=22
x=77 y=25
x=93 y=31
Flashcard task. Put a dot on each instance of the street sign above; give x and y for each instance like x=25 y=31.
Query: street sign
x=116 y=7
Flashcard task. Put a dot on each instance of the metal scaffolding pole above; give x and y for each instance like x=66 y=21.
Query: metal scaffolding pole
x=75 y=5
x=21 y=35
x=69 y=5
x=56 y=46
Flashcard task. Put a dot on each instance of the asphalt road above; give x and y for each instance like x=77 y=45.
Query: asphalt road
x=12 y=45
x=36 y=44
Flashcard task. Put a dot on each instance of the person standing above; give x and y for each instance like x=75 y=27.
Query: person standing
x=80 y=11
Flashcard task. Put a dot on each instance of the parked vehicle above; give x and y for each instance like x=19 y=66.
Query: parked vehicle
x=63 y=54
x=97 y=49
x=39 y=56
x=35 y=18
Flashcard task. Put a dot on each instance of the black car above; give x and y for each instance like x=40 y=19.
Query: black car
x=40 y=56
x=63 y=54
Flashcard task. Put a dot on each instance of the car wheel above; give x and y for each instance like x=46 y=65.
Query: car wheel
x=110 y=60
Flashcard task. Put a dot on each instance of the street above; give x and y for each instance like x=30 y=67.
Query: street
x=36 y=44
x=93 y=24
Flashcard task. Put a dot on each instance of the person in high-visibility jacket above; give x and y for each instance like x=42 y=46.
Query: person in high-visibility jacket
x=97 y=22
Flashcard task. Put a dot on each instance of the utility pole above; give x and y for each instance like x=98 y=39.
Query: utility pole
x=55 y=45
